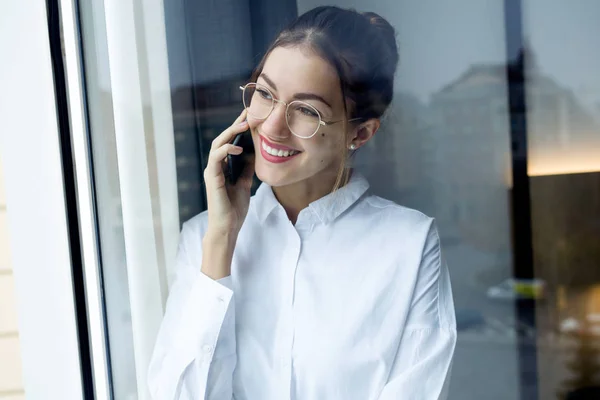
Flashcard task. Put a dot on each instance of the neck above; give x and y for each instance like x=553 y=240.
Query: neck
x=297 y=196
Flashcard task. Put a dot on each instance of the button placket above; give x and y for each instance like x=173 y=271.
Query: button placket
x=287 y=339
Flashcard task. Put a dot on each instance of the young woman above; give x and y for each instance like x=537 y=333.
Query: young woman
x=313 y=288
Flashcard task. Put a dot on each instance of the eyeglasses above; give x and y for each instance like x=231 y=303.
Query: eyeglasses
x=303 y=119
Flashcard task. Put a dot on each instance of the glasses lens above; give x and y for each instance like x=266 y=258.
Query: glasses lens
x=258 y=100
x=303 y=119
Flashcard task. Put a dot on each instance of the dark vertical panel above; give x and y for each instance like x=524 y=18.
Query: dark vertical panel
x=516 y=54
x=520 y=194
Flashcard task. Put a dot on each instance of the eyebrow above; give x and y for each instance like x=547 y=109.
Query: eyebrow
x=297 y=96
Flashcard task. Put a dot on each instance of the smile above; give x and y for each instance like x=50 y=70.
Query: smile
x=275 y=155
x=278 y=153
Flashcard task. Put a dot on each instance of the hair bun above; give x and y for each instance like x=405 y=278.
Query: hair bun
x=382 y=24
x=388 y=34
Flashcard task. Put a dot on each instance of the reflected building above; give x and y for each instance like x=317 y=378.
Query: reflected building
x=563 y=135
x=470 y=142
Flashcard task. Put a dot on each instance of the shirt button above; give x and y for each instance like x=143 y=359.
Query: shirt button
x=221 y=299
x=207 y=349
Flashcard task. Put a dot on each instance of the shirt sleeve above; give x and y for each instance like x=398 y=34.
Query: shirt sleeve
x=195 y=351
x=422 y=366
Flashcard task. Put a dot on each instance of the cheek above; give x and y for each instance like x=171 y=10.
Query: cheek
x=324 y=149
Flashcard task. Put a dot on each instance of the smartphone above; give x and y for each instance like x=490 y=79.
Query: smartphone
x=237 y=163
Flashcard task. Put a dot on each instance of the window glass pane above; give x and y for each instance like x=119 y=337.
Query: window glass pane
x=563 y=116
x=443 y=147
x=503 y=151
x=444 y=150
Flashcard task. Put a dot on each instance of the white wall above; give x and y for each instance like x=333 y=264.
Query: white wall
x=37 y=229
x=11 y=377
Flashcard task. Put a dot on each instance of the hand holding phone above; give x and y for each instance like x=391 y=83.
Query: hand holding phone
x=236 y=163
x=227 y=204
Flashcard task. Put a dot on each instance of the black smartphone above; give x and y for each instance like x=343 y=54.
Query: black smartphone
x=237 y=163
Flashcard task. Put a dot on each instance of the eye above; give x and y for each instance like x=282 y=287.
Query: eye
x=264 y=94
x=307 y=111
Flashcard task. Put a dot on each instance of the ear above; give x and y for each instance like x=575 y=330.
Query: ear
x=364 y=132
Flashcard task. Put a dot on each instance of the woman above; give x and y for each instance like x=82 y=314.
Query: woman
x=312 y=288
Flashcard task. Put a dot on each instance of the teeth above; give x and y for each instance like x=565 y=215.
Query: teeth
x=278 y=153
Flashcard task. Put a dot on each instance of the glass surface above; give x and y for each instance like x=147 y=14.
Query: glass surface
x=444 y=146
x=466 y=117
x=563 y=115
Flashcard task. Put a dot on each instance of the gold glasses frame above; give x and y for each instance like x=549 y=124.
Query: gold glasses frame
x=287 y=105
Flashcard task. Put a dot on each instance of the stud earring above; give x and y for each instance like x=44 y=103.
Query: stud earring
x=352 y=146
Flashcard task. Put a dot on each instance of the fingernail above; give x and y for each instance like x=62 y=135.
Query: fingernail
x=243 y=123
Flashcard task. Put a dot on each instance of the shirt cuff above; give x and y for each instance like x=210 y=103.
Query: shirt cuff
x=204 y=313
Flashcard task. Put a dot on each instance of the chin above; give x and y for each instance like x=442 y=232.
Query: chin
x=272 y=178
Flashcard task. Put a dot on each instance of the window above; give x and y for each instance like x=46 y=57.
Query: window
x=493 y=131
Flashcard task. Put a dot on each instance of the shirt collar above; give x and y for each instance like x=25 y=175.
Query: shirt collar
x=265 y=201
x=327 y=208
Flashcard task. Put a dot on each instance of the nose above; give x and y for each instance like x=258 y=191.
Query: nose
x=275 y=126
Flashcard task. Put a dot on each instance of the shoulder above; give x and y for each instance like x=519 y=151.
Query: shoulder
x=397 y=231
x=395 y=216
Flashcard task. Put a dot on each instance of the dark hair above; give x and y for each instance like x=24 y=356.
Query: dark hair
x=362 y=49
x=360 y=46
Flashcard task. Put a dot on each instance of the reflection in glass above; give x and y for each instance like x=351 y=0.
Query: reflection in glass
x=444 y=148
x=563 y=113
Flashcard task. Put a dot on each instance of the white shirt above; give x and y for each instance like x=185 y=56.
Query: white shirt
x=351 y=302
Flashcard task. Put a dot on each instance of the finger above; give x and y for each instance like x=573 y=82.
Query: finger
x=228 y=134
x=217 y=156
x=221 y=153
x=239 y=125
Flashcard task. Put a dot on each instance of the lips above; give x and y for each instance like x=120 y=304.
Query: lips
x=278 y=154
x=276 y=146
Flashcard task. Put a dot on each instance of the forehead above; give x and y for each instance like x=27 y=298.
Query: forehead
x=296 y=70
